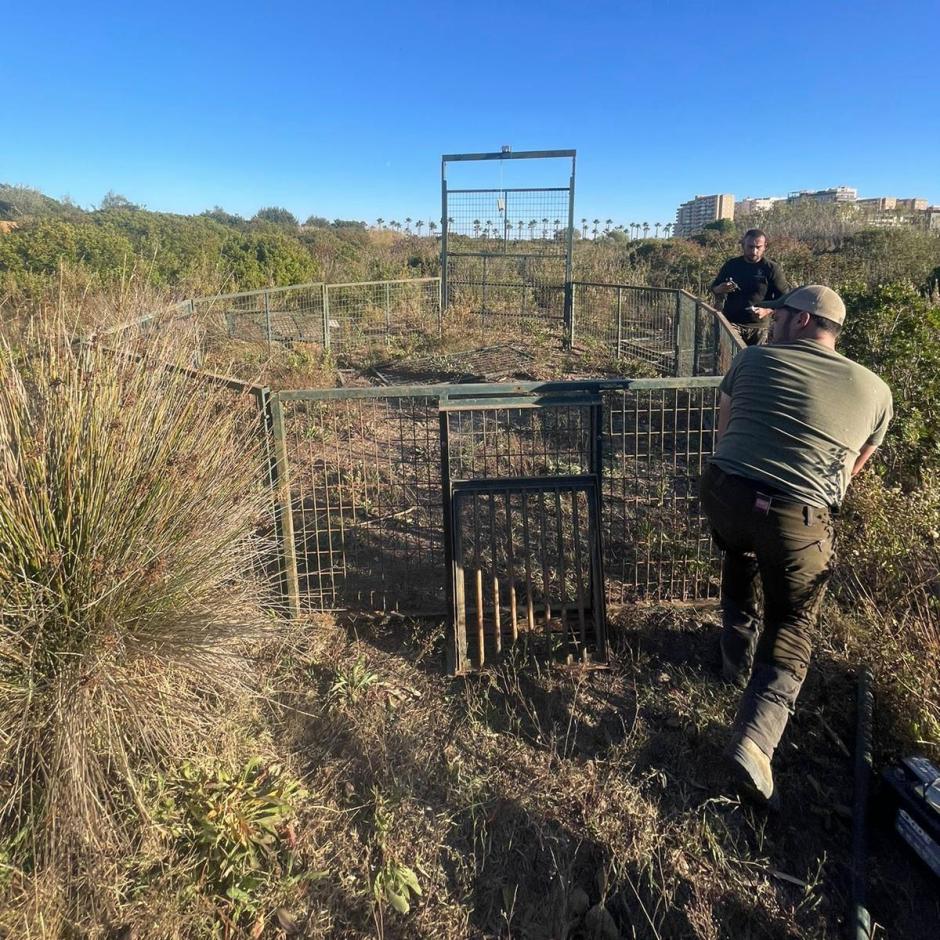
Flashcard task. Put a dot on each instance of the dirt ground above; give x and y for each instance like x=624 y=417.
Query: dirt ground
x=535 y=802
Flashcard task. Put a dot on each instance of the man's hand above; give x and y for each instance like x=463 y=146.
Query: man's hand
x=760 y=312
x=725 y=287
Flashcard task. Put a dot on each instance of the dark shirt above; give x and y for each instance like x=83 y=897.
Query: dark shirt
x=761 y=281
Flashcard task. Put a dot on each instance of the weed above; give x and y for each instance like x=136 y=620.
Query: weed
x=233 y=827
x=352 y=681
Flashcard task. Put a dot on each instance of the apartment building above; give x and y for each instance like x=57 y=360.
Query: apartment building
x=694 y=215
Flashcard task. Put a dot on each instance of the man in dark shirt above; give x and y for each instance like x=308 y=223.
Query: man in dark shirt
x=745 y=282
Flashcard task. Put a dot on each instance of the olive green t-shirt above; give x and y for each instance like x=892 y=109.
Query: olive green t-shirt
x=800 y=415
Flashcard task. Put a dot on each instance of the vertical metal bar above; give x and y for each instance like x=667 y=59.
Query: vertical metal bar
x=483 y=308
x=388 y=314
x=597 y=576
x=444 y=286
x=530 y=613
x=546 y=583
x=569 y=298
x=579 y=574
x=284 y=513
x=511 y=563
x=440 y=309
x=453 y=560
x=494 y=566
x=326 y=317
x=619 y=323
x=562 y=571
x=478 y=566
x=267 y=319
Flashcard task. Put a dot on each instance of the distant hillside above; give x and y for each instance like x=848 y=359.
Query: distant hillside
x=21 y=202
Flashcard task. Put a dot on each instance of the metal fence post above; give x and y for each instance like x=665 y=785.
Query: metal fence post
x=267 y=319
x=284 y=513
x=326 y=317
x=388 y=313
x=568 y=340
x=684 y=338
x=619 y=323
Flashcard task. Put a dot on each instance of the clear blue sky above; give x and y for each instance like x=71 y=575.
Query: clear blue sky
x=342 y=109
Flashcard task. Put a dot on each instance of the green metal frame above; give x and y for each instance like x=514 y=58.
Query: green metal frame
x=503 y=258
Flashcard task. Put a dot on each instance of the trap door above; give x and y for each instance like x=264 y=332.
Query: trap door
x=506 y=251
x=521 y=475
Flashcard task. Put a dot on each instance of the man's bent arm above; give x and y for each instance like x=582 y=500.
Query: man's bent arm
x=863 y=455
x=724 y=416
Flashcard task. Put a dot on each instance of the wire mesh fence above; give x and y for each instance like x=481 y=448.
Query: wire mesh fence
x=506 y=251
x=363 y=481
x=670 y=330
x=272 y=315
x=360 y=315
x=656 y=438
x=511 y=295
x=366 y=475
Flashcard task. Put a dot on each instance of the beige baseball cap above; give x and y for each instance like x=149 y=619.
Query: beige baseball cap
x=814 y=298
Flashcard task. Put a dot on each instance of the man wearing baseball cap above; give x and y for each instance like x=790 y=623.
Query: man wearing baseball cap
x=797 y=420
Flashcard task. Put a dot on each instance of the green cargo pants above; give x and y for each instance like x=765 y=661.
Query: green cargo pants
x=789 y=547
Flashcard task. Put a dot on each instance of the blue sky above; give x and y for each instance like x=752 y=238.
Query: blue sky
x=343 y=109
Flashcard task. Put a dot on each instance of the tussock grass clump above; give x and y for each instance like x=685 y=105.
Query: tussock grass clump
x=129 y=492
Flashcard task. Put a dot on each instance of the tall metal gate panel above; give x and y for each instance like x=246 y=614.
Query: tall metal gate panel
x=521 y=477
x=506 y=251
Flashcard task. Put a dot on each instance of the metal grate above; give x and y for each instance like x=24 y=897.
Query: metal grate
x=655 y=442
x=365 y=499
x=506 y=251
x=527 y=562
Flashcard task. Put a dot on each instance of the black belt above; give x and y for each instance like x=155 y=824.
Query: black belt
x=772 y=494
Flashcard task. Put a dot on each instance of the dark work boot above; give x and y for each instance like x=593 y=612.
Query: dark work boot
x=762 y=716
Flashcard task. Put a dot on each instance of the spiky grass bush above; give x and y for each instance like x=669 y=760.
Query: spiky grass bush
x=129 y=492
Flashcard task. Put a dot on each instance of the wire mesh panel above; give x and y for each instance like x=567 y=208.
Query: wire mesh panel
x=524 y=551
x=527 y=562
x=365 y=496
x=506 y=251
x=656 y=438
x=499 y=442
x=274 y=315
x=636 y=323
x=372 y=313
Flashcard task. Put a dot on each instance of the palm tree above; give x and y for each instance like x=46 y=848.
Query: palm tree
x=667 y=230
x=520 y=225
x=533 y=225
x=646 y=229
x=476 y=228
x=450 y=221
x=594 y=230
x=607 y=225
x=584 y=228
x=545 y=228
x=432 y=227
x=380 y=222
x=395 y=225
x=419 y=225
x=408 y=226
x=658 y=224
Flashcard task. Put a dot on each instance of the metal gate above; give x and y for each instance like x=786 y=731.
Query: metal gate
x=523 y=549
x=506 y=251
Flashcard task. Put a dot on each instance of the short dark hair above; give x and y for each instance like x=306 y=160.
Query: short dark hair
x=825 y=324
x=755 y=233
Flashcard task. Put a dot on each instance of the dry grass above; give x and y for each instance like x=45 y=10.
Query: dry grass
x=128 y=495
x=534 y=802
